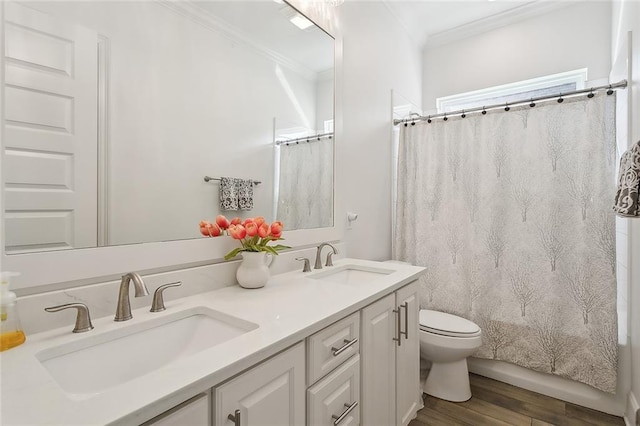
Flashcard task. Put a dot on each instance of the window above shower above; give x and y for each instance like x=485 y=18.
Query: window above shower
x=507 y=93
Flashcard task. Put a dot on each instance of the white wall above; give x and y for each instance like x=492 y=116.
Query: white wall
x=569 y=38
x=378 y=57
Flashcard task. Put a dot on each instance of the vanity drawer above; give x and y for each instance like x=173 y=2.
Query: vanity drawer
x=331 y=346
x=336 y=398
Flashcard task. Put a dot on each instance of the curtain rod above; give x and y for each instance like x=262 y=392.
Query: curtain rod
x=305 y=139
x=531 y=101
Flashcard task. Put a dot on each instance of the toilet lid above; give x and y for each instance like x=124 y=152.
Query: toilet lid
x=447 y=324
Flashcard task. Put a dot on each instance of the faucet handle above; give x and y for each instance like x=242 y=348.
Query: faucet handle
x=329 y=259
x=158 y=300
x=307 y=265
x=83 y=319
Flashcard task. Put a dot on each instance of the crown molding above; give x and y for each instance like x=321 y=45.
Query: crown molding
x=209 y=21
x=502 y=19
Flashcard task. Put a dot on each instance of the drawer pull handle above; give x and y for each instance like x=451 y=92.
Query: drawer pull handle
x=405 y=305
x=235 y=418
x=398 y=328
x=341 y=417
x=347 y=345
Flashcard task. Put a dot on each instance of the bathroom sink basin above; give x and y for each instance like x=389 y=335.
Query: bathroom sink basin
x=351 y=274
x=96 y=363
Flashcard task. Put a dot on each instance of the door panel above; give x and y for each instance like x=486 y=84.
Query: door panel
x=50 y=132
x=378 y=352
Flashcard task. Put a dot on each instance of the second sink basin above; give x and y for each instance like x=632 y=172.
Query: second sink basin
x=99 y=362
x=351 y=274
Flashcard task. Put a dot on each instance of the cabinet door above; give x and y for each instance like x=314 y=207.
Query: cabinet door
x=270 y=394
x=193 y=412
x=336 y=397
x=378 y=358
x=408 y=400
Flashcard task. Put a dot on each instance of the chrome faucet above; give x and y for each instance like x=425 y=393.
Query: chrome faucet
x=123 y=310
x=318 y=264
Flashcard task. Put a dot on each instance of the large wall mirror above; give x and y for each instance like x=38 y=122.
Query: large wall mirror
x=116 y=111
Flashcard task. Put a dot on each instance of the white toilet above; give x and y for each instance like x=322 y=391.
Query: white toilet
x=447 y=340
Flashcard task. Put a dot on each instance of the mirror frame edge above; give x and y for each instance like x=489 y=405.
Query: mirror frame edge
x=45 y=271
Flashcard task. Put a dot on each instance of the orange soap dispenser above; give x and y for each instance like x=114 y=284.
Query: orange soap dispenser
x=11 y=333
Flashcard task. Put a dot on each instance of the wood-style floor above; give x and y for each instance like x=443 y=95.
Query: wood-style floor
x=497 y=403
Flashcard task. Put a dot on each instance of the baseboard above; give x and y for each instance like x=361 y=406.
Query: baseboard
x=632 y=415
x=550 y=385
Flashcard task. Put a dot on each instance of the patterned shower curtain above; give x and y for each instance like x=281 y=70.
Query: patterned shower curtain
x=305 y=189
x=510 y=212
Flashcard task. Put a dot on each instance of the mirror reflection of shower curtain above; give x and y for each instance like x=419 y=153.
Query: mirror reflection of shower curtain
x=305 y=189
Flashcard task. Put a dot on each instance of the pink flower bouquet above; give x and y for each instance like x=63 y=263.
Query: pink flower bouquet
x=253 y=233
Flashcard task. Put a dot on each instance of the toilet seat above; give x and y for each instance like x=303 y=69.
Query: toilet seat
x=447 y=325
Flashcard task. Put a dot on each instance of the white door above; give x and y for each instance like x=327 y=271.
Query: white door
x=270 y=394
x=50 y=164
x=408 y=400
x=378 y=359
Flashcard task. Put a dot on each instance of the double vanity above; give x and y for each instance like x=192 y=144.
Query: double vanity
x=338 y=346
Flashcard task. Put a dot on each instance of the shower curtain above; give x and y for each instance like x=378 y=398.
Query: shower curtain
x=305 y=188
x=510 y=212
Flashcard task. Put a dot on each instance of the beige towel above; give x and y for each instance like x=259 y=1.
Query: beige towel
x=627 y=202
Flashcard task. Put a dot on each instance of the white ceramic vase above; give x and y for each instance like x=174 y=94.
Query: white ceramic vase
x=253 y=272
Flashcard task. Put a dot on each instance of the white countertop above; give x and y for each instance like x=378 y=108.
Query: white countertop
x=289 y=308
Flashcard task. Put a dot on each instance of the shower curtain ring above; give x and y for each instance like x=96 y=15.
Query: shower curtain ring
x=610 y=91
x=560 y=100
x=463 y=114
x=429 y=120
x=506 y=107
x=406 y=124
x=590 y=95
x=532 y=104
x=484 y=111
x=445 y=118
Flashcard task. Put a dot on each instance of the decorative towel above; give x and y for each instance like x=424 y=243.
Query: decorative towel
x=228 y=193
x=245 y=194
x=627 y=203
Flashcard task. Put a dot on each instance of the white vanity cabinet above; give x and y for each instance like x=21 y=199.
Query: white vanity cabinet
x=390 y=357
x=272 y=393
